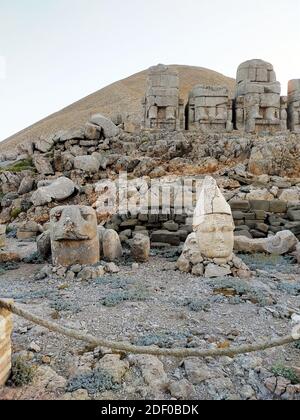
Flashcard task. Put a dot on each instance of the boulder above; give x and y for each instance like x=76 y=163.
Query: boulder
x=44 y=245
x=112 y=248
x=6 y=257
x=290 y=195
x=58 y=190
x=263 y=194
x=213 y=270
x=101 y=230
x=28 y=230
x=87 y=164
x=43 y=165
x=109 y=129
x=44 y=144
x=92 y=132
x=26 y=185
x=112 y=364
x=183 y=264
x=280 y=244
x=140 y=248
x=294 y=215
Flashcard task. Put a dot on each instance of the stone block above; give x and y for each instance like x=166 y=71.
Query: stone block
x=242 y=205
x=243 y=233
x=257 y=234
x=260 y=205
x=143 y=218
x=278 y=206
x=164 y=236
x=293 y=215
x=129 y=223
x=171 y=226
x=262 y=227
x=275 y=229
x=270 y=100
x=293 y=86
x=293 y=227
x=250 y=223
x=250 y=216
x=239 y=222
x=238 y=215
x=260 y=215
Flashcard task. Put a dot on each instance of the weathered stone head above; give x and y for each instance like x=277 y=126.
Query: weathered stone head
x=213 y=223
x=74 y=238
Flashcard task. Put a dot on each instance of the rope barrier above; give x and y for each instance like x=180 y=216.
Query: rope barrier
x=129 y=348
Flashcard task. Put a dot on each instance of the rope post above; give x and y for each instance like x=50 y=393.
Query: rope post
x=6 y=327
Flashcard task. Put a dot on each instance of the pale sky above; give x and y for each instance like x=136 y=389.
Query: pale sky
x=54 y=52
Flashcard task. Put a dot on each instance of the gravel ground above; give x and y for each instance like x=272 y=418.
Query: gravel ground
x=161 y=306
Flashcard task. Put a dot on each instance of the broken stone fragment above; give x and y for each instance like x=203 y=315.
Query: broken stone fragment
x=87 y=164
x=108 y=127
x=58 y=190
x=280 y=244
x=140 y=248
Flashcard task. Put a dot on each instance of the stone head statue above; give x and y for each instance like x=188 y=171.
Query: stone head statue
x=213 y=223
x=74 y=237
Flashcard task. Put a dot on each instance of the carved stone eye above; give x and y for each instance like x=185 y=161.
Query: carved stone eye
x=85 y=216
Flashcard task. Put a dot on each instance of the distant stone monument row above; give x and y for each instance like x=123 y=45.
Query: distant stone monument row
x=257 y=105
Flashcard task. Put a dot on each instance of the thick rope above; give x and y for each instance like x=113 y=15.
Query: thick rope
x=129 y=348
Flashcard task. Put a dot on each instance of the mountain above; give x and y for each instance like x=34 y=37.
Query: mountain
x=122 y=97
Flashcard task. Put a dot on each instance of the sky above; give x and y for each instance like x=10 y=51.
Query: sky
x=54 y=52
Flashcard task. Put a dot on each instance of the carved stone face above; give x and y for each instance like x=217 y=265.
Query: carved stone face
x=73 y=223
x=74 y=236
x=215 y=236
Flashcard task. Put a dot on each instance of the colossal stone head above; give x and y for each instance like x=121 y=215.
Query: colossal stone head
x=74 y=238
x=213 y=223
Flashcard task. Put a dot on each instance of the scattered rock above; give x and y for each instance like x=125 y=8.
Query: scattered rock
x=182 y=390
x=112 y=248
x=213 y=270
x=198 y=373
x=113 y=365
x=87 y=164
x=140 y=248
